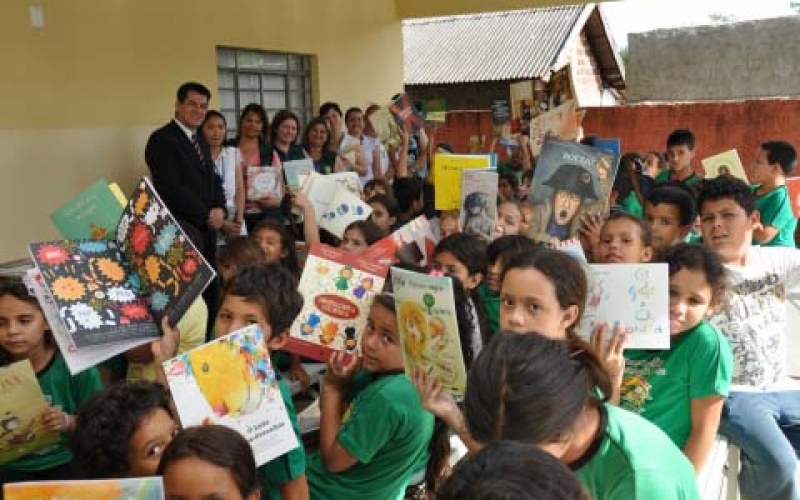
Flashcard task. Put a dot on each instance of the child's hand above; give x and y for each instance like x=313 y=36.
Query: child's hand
x=54 y=419
x=167 y=346
x=300 y=200
x=610 y=352
x=341 y=368
x=435 y=398
x=591 y=225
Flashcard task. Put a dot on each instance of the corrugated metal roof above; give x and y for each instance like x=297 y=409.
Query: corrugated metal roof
x=509 y=45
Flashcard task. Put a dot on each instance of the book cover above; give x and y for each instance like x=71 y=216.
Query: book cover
x=344 y=208
x=447 y=170
x=94 y=213
x=319 y=188
x=428 y=327
x=479 y=203
x=726 y=163
x=434 y=111
x=611 y=145
x=21 y=404
x=385 y=126
x=77 y=360
x=562 y=122
x=263 y=181
x=337 y=288
x=294 y=169
x=413 y=243
x=501 y=112
x=406 y=114
x=230 y=381
x=138 y=488
x=634 y=296
x=569 y=179
x=522 y=105
x=793 y=185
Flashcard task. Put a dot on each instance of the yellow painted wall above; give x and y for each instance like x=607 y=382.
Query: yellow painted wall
x=80 y=97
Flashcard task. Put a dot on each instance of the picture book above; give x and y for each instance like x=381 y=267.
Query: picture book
x=413 y=243
x=320 y=189
x=522 y=105
x=77 y=360
x=479 y=203
x=343 y=209
x=428 y=327
x=634 y=296
x=385 y=126
x=727 y=163
x=562 y=122
x=94 y=213
x=263 y=181
x=405 y=113
x=434 y=111
x=569 y=179
x=21 y=404
x=793 y=185
x=447 y=177
x=230 y=381
x=501 y=111
x=337 y=288
x=611 y=145
x=136 y=488
x=560 y=87
x=110 y=291
x=294 y=169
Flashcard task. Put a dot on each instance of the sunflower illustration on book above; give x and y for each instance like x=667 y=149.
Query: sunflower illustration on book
x=413 y=329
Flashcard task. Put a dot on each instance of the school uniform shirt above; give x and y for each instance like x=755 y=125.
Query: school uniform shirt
x=288 y=466
x=69 y=392
x=666 y=175
x=491 y=301
x=754 y=320
x=633 y=460
x=776 y=211
x=387 y=431
x=660 y=385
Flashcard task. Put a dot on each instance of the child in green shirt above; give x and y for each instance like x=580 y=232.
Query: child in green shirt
x=680 y=153
x=669 y=208
x=682 y=390
x=774 y=161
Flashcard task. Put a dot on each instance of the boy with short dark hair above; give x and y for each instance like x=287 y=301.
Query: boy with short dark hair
x=409 y=196
x=774 y=161
x=680 y=153
x=762 y=412
x=670 y=210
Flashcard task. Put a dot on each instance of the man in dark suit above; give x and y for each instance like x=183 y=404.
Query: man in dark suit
x=180 y=163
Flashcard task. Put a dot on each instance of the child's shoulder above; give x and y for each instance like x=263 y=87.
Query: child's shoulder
x=393 y=391
x=703 y=338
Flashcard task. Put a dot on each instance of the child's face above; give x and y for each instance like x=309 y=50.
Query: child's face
x=22 y=327
x=621 y=242
x=690 y=300
x=679 y=157
x=526 y=212
x=665 y=224
x=194 y=479
x=373 y=190
x=493 y=275
x=380 y=342
x=727 y=228
x=761 y=171
x=353 y=241
x=238 y=312
x=447 y=263
x=524 y=189
x=509 y=218
x=154 y=432
x=504 y=190
x=381 y=217
x=270 y=243
x=528 y=303
x=226 y=271
x=447 y=226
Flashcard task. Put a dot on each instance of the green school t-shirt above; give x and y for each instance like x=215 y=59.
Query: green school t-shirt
x=666 y=175
x=387 y=431
x=660 y=385
x=775 y=209
x=69 y=392
x=636 y=461
x=491 y=302
x=286 y=467
x=632 y=206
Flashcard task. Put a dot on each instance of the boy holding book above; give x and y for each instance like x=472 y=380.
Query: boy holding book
x=762 y=412
x=774 y=161
x=680 y=153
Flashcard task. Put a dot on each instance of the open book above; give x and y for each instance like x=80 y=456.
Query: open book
x=109 y=291
x=337 y=288
x=231 y=382
x=21 y=404
x=413 y=243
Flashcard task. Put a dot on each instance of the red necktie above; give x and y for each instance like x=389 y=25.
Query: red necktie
x=197 y=148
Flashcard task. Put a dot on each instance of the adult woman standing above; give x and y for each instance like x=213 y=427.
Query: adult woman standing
x=252 y=143
x=368 y=147
x=228 y=166
x=316 y=143
x=332 y=113
x=282 y=136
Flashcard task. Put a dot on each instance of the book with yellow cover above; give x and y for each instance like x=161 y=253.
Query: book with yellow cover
x=727 y=163
x=138 y=488
x=447 y=171
x=21 y=404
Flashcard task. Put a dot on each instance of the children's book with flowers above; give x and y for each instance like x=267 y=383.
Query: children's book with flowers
x=135 y=488
x=231 y=382
x=337 y=288
x=428 y=327
x=108 y=291
x=21 y=405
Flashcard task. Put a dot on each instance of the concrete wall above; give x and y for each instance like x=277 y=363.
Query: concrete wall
x=742 y=60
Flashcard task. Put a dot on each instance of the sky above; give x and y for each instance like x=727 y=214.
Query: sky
x=636 y=16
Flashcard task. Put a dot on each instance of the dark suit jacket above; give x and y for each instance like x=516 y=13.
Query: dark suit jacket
x=189 y=187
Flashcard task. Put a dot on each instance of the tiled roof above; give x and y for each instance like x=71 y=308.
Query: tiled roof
x=509 y=45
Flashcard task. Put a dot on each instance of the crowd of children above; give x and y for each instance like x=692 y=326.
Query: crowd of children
x=545 y=415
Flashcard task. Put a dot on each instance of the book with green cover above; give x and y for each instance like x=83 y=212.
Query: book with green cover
x=21 y=404
x=93 y=214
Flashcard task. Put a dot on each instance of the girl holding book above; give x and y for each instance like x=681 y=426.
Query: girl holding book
x=25 y=335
